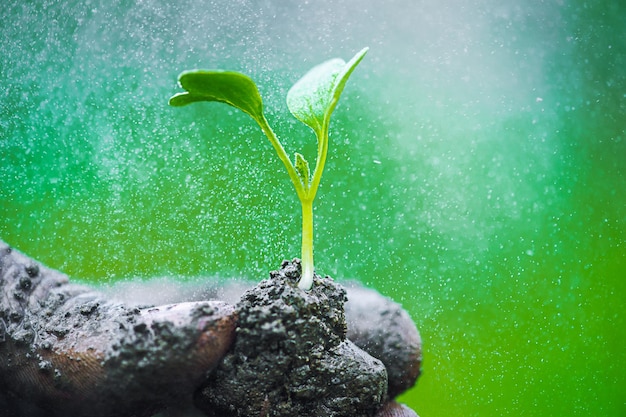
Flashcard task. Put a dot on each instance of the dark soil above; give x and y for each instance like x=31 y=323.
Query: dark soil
x=291 y=356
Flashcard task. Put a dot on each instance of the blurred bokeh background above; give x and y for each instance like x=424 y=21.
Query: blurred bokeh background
x=477 y=171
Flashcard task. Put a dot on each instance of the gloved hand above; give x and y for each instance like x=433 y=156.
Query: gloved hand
x=67 y=350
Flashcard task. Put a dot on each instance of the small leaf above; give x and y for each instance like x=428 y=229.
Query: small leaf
x=313 y=98
x=302 y=168
x=228 y=87
x=182 y=99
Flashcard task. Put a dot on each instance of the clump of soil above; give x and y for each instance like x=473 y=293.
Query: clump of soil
x=291 y=356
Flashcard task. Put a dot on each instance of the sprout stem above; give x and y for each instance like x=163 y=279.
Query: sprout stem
x=306 y=196
x=306 y=280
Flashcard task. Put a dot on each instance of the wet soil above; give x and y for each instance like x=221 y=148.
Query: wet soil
x=291 y=356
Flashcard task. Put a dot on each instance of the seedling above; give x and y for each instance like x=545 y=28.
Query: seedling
x=311 y=100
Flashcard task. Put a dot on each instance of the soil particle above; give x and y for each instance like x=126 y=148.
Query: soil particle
x=291 y=356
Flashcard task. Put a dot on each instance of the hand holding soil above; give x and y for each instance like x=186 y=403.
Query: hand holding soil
x=66 y=350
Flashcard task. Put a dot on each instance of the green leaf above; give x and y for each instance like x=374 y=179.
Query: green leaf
x=313 y=98
x=302 y=168
x=228 y=87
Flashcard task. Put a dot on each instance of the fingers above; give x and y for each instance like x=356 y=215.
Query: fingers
x=383 y=329
x=394 y=409
x=376 y=324
x=72 y=351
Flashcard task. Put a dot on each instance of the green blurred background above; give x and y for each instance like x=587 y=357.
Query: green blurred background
x=477 y=171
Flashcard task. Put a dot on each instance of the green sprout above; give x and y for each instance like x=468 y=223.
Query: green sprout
x=311 y=100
